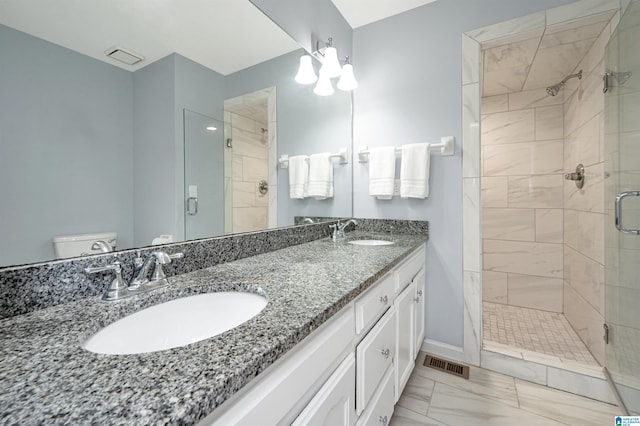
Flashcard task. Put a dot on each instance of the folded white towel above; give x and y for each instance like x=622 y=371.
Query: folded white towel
x=382 y=172
x=320 y=176
x=298 y=176
x=414 y=171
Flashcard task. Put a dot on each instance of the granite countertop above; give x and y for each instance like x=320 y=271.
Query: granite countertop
x=46 y=377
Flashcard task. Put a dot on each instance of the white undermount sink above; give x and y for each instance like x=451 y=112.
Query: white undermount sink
x=371 y=242
x=176 y=323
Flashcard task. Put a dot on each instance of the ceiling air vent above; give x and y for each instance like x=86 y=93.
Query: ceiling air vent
x=447 y=366
x=123 y=55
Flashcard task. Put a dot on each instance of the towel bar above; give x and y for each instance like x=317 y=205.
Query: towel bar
x=283 y=161
x=445 y=146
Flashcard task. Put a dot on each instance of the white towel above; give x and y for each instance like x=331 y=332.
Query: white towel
x=320 y=176
x=414 y=171
x=382 y=172
x=298 y=176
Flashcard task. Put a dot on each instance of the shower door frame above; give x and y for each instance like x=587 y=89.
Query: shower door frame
x=622 y=245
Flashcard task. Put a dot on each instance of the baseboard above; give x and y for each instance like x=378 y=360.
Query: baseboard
x=443 y=350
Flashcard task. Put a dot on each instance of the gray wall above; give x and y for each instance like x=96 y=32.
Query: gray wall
x=154 y=152
x=409 y=70
x=307 y=124
x=161 y=91
x=65 y=147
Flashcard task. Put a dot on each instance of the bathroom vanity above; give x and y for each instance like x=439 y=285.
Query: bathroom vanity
x=337 y=340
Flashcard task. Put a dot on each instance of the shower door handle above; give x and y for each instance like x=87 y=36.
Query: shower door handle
x=195 y=203
x=618 y=212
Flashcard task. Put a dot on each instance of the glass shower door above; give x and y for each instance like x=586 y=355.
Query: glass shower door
x=622 y=200
x=203 y=176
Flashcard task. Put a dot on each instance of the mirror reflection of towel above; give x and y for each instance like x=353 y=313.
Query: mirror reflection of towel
x=320 y=176
x=414 y=171
x=298 y=176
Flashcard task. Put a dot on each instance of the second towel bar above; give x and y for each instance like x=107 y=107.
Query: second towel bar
x=445 y=146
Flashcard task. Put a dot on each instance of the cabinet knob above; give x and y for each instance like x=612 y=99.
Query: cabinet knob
x=385 y=352
x=419 y=292
x=384 y=299
x=417 y=300
x=383 y=420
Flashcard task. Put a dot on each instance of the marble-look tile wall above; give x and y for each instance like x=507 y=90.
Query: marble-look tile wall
x=250 y=211
x=584 y=211
x=522 y=199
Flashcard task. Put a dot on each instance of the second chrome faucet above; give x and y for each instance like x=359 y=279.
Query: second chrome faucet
x=338 y=229
x=140 y=282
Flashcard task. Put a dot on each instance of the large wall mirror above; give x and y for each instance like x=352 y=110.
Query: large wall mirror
x=184 y=143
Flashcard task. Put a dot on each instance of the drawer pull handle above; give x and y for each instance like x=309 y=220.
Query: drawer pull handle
x=383 y=420
x=384 y=299
x=419 y=292
x=385 y=352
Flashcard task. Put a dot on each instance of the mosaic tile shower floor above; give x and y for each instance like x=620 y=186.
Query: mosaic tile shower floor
x=539 y=331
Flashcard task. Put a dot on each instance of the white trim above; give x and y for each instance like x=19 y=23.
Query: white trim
x=443 y=350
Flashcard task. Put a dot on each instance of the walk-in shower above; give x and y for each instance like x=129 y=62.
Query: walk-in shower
x=548 y=268
x=553 y=90
x=542 y=236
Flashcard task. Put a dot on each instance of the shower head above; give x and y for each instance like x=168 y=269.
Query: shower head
x=553 y=90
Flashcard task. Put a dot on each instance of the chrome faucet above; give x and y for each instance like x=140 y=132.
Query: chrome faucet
x=140 y=281
x=101 y=245
x=338 y=229
x=141 y=270
x=118 y=288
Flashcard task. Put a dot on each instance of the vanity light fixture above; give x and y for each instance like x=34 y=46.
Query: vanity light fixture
x=331 y=65
x=347 y=80
x=306 y=74
x=324 y=86
x=330 y=68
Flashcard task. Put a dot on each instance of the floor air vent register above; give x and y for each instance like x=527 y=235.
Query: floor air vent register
x=447 y=366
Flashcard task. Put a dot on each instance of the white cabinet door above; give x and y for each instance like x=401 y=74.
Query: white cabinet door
x=380 y=410
x=419 y=305
x=335 y=403
x=374 y=355
x=405 y=337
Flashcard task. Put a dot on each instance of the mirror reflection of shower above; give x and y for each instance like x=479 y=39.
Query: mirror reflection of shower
x=553 y=90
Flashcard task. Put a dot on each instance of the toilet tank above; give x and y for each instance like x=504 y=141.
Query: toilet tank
x=80 y=245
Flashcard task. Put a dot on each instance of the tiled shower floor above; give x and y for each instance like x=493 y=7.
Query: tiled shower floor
x=533 y=330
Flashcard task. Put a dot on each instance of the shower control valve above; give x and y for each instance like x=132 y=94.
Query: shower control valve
x=577 y=176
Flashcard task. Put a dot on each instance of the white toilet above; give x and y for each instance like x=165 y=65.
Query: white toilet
x=80 y=245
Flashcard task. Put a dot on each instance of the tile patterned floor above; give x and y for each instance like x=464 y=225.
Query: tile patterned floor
x=534 y=330
x=435 y=398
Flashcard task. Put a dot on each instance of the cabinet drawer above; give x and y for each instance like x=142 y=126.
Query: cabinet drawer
x=409 y=269
x=373 y=304
x=379 y=412
x=334 y=404
x=373 y=356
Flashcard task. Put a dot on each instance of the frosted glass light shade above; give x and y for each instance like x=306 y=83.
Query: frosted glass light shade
x=324 y=86
x=330 y=65
x=347 y=79
x=306 y=74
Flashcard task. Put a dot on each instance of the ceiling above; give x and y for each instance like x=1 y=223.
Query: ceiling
x=223 y=35
x=539 y=58
x=363 y=12
x=210 y=32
